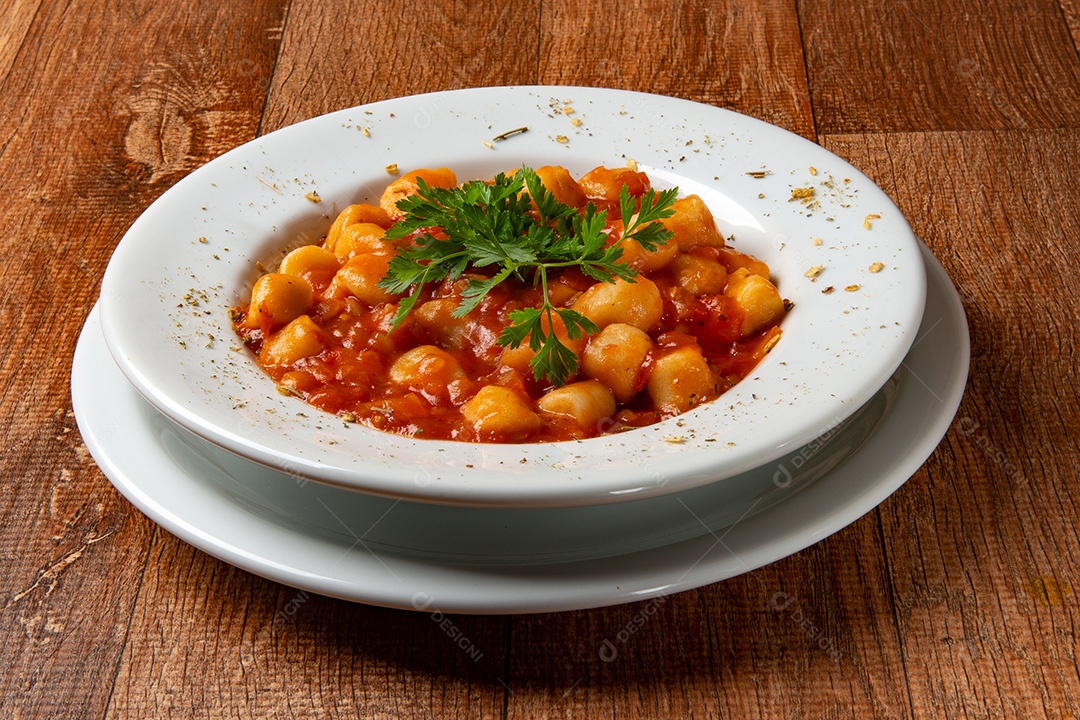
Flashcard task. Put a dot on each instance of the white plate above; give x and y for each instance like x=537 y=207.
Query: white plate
x=149 y=462
x=515 y=536
x=192 y=255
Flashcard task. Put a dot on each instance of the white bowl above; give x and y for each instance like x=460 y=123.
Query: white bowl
x=192 y=255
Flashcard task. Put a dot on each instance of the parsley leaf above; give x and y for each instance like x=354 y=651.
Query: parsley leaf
x=517 y=227
x=549 y=209
x=641 y=219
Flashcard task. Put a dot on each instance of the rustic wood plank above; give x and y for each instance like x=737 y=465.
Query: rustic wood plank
x=91 y=133
x=927 y=65
x=810 y=636
x=1071 y=10
x=338 y=55
x=957 y=598
x=15 y=19
x=209 y=640
x=73 y=555
x=983 y=547
x=741 y=55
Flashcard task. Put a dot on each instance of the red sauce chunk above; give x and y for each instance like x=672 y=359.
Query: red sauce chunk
x=693 y=320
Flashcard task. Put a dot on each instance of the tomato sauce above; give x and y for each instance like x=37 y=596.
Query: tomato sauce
x=717 y=314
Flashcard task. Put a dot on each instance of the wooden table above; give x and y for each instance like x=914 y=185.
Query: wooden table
x=957 y=597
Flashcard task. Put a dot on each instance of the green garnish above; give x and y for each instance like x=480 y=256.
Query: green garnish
x=491 y=225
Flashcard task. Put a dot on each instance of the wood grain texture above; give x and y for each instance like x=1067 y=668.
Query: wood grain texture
x=1071 y=11
x=335 y=56
x=808 y=637
x=924 y=65
x=210 y=640
x=91 y=133
x=956 y=598
x=740 y=54
x=983 y=554
x=15 y=19
x=66 y=532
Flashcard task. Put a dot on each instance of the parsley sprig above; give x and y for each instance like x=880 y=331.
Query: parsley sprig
x=491 y=227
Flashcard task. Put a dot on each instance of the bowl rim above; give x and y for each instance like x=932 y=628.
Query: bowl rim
x=257 y=191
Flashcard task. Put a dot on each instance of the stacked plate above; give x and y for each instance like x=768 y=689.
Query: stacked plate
x=859 y=391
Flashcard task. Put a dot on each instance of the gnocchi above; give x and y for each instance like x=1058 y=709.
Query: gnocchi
x=692 y=318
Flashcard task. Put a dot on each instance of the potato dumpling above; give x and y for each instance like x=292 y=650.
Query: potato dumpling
x=615 y=356
x=680 y=380
x=437 y=317
x=642 y=260
x=499 y=412
x=313 y=263
x=363 y=239
x=603 y=183
x=359 y=213
x=560 y=183
x=276 y=299
x=407 y=185
x=430 y=371
x=300 y=381
x=699 y=275
x=588 y=402
x=300 y=339
x=733 y=260
x=360 y=277
x=425 y=364
x=758 y=298
x=635 y=303
x=693 y=225
x=692 y=320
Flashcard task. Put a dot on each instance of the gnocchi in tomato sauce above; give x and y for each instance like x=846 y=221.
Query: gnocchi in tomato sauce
x=694 y=321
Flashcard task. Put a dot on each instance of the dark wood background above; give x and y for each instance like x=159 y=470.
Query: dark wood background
x=955 y=598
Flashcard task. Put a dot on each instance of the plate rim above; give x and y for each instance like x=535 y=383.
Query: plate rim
x=435 y=587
